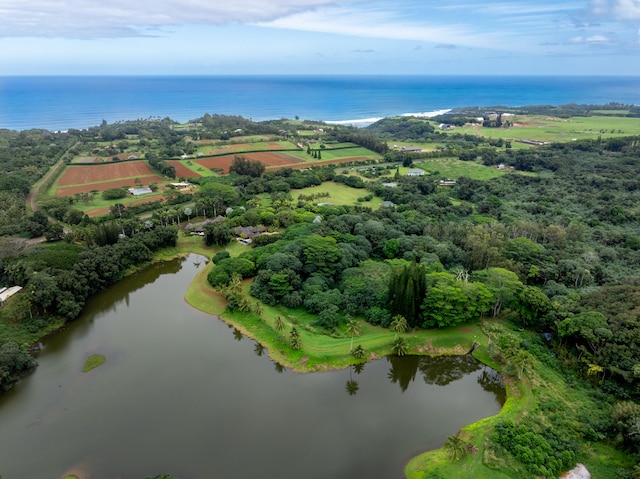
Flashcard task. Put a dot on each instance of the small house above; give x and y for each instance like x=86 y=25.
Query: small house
x=139 y=191
x=417 y=172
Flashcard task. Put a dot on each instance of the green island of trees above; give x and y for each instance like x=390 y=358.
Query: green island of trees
x=533 y=268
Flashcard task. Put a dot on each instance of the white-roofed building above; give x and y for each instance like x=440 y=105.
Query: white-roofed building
x=7 y=293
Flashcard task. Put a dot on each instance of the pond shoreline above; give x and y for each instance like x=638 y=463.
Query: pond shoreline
x=312 y=358
x=474 y=342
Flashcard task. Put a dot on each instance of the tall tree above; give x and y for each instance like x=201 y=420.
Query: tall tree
x=407 y=288
x=353 y=328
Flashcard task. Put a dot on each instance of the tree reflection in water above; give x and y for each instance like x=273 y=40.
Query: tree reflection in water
x=443 y=370
x=403 y=370
x=352 y=385
x=491 y=381
x=258 y=349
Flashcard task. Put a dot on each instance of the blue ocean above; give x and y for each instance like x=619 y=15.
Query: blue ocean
x=60 y=103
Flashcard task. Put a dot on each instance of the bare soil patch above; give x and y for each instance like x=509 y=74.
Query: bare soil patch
x=266 y=158
x=80 y=174
x=106 y=185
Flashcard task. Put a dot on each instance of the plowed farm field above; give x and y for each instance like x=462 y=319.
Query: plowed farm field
x=268 y=159
x=101 y=177
x=81 y=174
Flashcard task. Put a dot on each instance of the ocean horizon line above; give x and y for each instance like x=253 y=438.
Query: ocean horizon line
x=58 y=103
x=309 y=75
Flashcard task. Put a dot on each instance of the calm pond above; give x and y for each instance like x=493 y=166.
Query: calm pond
x=182 y=393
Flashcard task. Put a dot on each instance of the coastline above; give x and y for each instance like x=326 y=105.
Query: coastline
x=58 y=103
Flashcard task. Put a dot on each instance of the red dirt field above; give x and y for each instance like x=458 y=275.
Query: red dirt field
x=182 y=170
x=266 y=158
x=104 y=211
x=106 y=185
x=81 y=174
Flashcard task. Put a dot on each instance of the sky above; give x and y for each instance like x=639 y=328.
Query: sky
x=269 y=37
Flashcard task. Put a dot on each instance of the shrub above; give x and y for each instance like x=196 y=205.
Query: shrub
x=378 y=316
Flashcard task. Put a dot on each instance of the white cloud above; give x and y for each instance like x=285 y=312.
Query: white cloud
x=597 y=39
x=114 y=18
x=617 y=9
x=592 y=40
x=515 y=8
x=375 y=23
x=627 y=9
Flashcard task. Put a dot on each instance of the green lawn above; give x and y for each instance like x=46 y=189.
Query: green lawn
x=551 y=129
x=454 y=169
x=339 y=195
x=198 y=169
x=337 y=154
x=246 y=145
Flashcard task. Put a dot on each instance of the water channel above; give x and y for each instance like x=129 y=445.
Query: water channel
x=182 y=393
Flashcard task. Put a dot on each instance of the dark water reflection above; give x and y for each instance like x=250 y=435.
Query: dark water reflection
x=178 y=394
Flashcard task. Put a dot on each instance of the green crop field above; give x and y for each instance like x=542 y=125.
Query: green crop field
x=329 y=154
x=550 y=129
x=220 y=148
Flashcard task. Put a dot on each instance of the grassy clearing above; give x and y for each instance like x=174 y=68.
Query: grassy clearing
x=92 y=362
x=329 y=154
x=97 y=202
x=250 y=145
x=454 y=169
x=425 y=146
x=542 y=128
x=198 y=169
x=339 y=195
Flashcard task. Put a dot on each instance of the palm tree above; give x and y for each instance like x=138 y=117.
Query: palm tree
x=353 y=328
x=398 y=325
x=400 y=346
x=258 y=309
x=358 y=353
x=279 y=325
x=258 y=349
x=296 y=342
x=520 y=361
x=455 y=447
